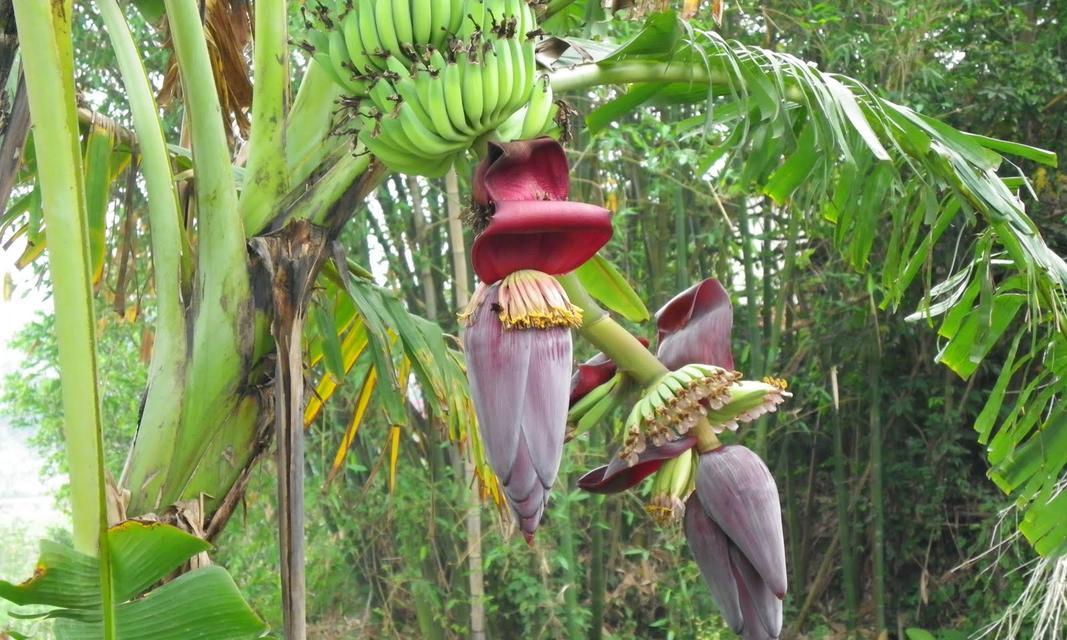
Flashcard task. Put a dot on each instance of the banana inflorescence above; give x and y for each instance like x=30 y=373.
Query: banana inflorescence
x=426 y=80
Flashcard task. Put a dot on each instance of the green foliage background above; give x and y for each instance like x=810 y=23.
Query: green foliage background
x=391 y=563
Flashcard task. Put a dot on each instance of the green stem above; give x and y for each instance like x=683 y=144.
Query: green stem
x=49 y=73
x=620 y=345
x=221 y=348
x=310 y=121
x=584 y=76
x=266 y=178
x=314 y=202
x=162 y=411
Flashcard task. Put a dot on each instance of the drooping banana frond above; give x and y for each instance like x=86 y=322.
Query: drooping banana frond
x=364 y=337
x=824 y=144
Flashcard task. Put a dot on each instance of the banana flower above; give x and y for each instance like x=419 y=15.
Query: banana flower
x=733 y=525
x=517 y=337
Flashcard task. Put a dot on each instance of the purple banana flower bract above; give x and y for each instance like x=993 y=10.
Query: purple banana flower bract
x=522 y=170
x=734 y=529
x=695 y=326
x=519 y=384
x=553 y=237
x=618 y=476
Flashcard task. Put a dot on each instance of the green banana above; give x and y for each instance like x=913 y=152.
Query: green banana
x=472 y=91
x=421 y=29
x=540 y=108
x=368 y=34
x=357 y=52
x=383 y=22
x=452 y=86
x=426 y=141
x=490 y=73
x=402 y=26
x=437 y=108
x=510 y=129
x=683 y=470
x=440 y=20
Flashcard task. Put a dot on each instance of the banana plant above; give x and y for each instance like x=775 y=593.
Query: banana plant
x=244 y=239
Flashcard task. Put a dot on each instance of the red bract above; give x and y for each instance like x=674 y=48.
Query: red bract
x=694 y=327
x=592 y=373
x=522 y=170
x=553 y=237
x=617 y=476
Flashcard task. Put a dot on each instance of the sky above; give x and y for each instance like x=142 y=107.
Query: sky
x=27 y=505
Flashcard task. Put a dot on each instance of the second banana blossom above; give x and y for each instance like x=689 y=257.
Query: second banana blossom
x=732 y=516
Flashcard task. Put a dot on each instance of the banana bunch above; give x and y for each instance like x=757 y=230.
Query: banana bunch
x=427 y=79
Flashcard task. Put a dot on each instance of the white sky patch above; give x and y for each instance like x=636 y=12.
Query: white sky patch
x=27 y=501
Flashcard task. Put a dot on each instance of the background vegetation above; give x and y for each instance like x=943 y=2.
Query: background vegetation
x=390 y=561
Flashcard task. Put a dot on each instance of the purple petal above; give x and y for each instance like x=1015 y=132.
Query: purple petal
x=694 y=327
x=762 y=610
x=550 y=236
x=522 y=170
x=498 y=362
x=544 y=421
x=710 y=549
x=739 y=493
x=617 y=476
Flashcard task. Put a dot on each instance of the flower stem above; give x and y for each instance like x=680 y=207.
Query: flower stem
x=620 y=345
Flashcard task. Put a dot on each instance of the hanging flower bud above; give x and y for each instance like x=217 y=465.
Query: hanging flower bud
x=618 y=476
x=518 y=348
x=733 y=525
x=694 y=327
x=552 y=237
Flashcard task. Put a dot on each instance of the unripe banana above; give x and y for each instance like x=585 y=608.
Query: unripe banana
x=490 y=87
x=405 y=33
x=472 y=90
x=452 y=86
x=357 y=52
x=440 y=20
x=682 y=474
x=421 y=27
x=540 y=108
x=368 y=34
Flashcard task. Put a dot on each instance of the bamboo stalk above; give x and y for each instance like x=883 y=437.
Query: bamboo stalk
x=567 y=548
x=460 y=278
x=877 y=492
x=844 y=521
